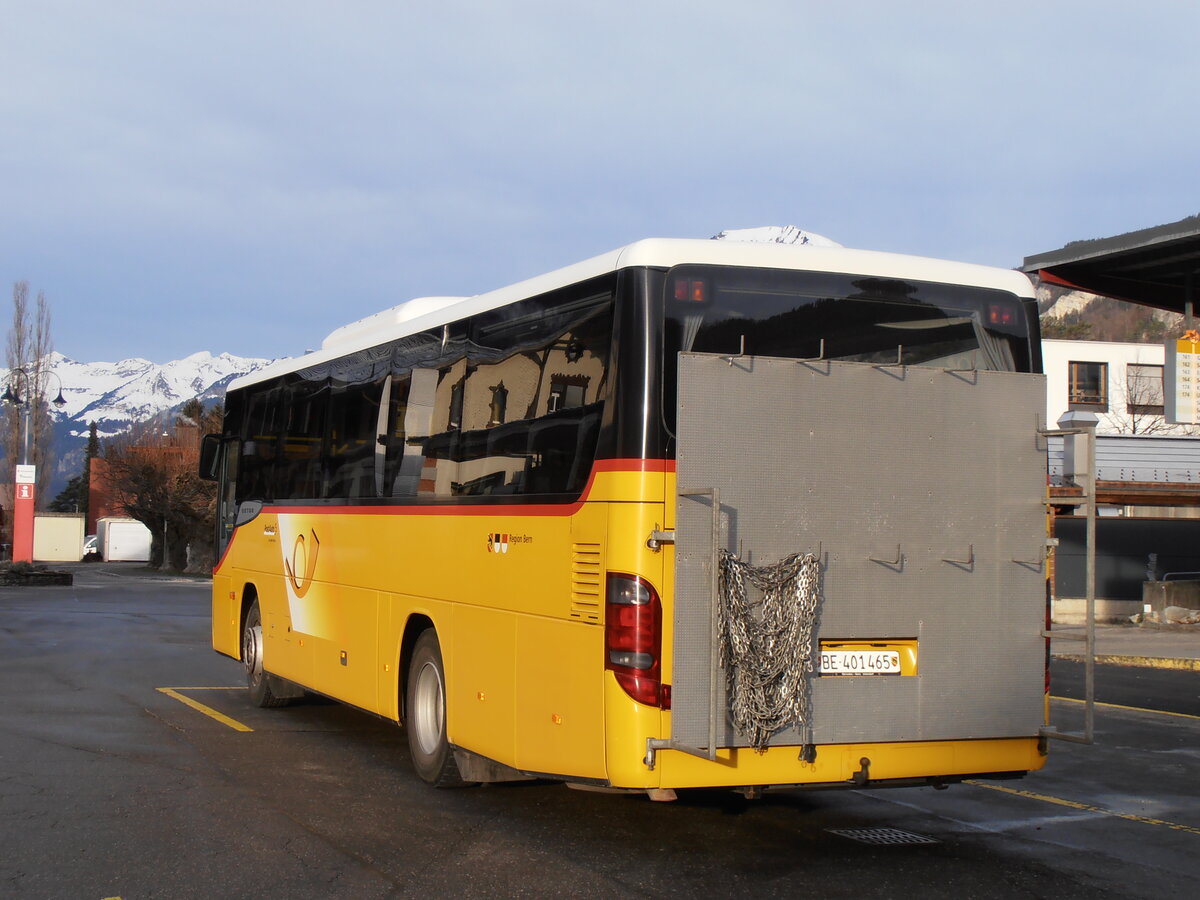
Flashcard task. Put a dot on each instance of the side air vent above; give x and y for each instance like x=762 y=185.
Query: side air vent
x=586 y=584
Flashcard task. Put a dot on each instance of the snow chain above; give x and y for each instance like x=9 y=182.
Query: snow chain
x=766 y=647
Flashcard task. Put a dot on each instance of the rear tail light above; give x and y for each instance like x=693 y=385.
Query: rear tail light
x=999 y=314
x=691 y=290
x=633 y=638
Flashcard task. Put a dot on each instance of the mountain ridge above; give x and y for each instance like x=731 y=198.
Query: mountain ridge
x=1076 y=315
x=119 y=395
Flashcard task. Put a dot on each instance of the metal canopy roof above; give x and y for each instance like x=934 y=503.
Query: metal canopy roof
x=1154 y=267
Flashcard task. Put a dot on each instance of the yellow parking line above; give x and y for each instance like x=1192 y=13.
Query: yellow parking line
x=207 y=710
x=219 y=687
x=1186 y=664
x=1150 y=662
x=1157 y=712
x=1084 y=807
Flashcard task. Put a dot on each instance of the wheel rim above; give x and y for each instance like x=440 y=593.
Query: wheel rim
x=427 y=709
x=252 y=651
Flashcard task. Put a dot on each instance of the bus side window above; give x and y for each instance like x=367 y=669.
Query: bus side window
x=353 y=424
x=532 y=403
x=410 y=416
x=259 y=445
x=306 y=406
x=429 y=374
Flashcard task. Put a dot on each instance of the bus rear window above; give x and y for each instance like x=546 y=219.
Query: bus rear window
x=816 y=315
x=792 y=314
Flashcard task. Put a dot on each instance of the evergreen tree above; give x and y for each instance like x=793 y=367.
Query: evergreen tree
x=74 y=497
x=92 y=451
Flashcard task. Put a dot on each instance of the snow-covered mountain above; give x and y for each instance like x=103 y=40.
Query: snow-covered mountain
x=116 y=395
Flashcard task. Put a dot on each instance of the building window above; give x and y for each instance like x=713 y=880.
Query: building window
x=456 y=404
x=498 y=408
x=1088 y=388
x=566 y=392
x=1144 y=388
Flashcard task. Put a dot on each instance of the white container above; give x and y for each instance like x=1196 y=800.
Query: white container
x=57 y=537
x=123 y=540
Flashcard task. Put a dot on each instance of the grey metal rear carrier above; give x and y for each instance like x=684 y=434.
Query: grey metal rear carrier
x=920 y=493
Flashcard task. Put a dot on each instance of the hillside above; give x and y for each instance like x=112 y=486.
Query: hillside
x=1075 y=315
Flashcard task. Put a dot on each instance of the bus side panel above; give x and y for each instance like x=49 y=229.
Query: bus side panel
x=329 y=580
x=255 y=564
x=560 y=662
x=390 y=676
x=517 y=601
x=494 y=569
x=345 y=664
x=226 y=612
x=559 y=722
x=480 y=688
x=522 y=675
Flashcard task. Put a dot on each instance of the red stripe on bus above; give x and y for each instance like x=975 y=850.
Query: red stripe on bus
x=463 y=509
x=486 y=509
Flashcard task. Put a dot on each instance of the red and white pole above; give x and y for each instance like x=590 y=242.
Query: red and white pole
x=24 y=498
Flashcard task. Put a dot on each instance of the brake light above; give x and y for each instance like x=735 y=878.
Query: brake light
x=999 y=314
x=692 y=290
x=633 y=638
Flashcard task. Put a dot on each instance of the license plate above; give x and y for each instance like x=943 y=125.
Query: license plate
x=860 y=662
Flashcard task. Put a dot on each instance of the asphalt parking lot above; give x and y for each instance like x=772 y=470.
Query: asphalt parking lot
x=113 y=785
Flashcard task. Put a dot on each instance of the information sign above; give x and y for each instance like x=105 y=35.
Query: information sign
x=1181 y=380
x=24 y=498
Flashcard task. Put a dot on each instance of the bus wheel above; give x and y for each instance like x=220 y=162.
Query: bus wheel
x=426 y=714
x=257 y=681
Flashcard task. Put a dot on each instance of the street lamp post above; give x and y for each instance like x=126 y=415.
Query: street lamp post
x=25 y=475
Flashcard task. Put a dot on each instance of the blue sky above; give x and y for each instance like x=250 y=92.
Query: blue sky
x=245 y=177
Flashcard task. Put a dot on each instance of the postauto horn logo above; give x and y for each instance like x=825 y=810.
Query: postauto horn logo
x=304 y=559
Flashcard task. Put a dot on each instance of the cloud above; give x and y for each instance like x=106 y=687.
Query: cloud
x=266 y=171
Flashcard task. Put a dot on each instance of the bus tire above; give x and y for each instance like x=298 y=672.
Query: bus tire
x=258 y=682
x=425 y=705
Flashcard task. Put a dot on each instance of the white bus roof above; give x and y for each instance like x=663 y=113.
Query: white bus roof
x=421 y=313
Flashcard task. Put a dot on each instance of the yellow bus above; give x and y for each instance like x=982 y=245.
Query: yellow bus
x=687 y=514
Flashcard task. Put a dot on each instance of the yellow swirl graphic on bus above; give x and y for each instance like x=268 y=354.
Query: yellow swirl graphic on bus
x=303 y=559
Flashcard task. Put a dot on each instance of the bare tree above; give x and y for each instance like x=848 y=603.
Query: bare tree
x=28 y=352
x=1137 y=406
x=153 y=476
